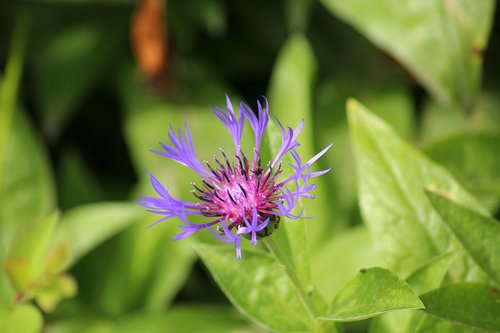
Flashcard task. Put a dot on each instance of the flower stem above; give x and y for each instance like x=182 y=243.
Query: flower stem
x=304 y=297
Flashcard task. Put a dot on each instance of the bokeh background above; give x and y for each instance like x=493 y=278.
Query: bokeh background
x=88 y=88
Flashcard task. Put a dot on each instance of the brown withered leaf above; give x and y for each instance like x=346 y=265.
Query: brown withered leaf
x=150 y=42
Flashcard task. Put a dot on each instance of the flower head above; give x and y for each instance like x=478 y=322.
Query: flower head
x=237 y=194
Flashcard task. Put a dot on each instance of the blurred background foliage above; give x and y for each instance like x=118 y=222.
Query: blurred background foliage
x=89 y=87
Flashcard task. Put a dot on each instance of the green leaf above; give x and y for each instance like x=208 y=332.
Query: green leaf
x=85 y=227
x=290 y=101
x=209 y=319
x=145 y=254
x=350 y=250
x=470 y=304
x=25 y=260
x=58 y=288
x=23 y=318
x=83 y=323
x=27 y=191
x=257 y=287
x=417 y=33
x=141 y=267
x=389 y=100
x=440 y=122
x=371 y=292
x=474 y=160
x=479 y=234
x=391 y=178
x=9 y=86
x=431 y=275
x=426 y=278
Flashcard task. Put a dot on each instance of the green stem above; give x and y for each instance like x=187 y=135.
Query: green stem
x=10 y=84
x=304 y=297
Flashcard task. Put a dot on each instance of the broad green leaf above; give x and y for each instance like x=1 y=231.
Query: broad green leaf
x=469 y=304
x=23 y=318
x=54 y=290
x=25 y=259
x=84 y=324
x=479 y=234
x=85 y=227
x=9 y=86
x=340 y=258
x=371 y=292
x=409 y=321
x=26 y=188
x=140 y=267
x=157 y=266
x=73 y=172
x=257 y=287
x=27 y=191
x=440 y=122
x=392 y=176
x=431 y=324
x=426 y=278
x=439 y=42
x=290 y=90
x=474 y=160
x=387 y=96
x=290 y=101
x=179 y=319
x=431 y=275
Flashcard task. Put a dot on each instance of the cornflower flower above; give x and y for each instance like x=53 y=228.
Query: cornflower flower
x=238 y=196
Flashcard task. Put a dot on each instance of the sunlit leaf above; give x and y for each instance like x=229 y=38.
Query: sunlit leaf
x=58 y=288
x=439 y=42
x=431 y=275
x=340 y=258
x=257 y=287
x=26 y=256
x=371 y=292
x=85 y=323
x=426 y=278
x=179 y=319
x=24 y=318
x=85 y=227
x=290 y=101
x=474 y=160
x=392 y=176
x=479 y=234
x=27 y=192
x=470 y=304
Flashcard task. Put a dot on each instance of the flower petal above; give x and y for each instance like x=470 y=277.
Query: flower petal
x=233 y=123
x=182 y=151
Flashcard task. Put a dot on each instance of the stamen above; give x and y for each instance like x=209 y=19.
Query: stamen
x=242 y=190
x=218 y=197
x=242 y=169
x=219 y=163
x=201 y=197
x=207 y=184
x=245 y=160
x=230 y=197
x=227 y=161
x=225 y=176
x=216 y=174
x=197 y=188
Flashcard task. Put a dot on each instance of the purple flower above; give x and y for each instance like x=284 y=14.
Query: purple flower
x=237 y=195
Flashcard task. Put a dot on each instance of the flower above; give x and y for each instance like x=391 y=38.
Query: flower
x=238 y=196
